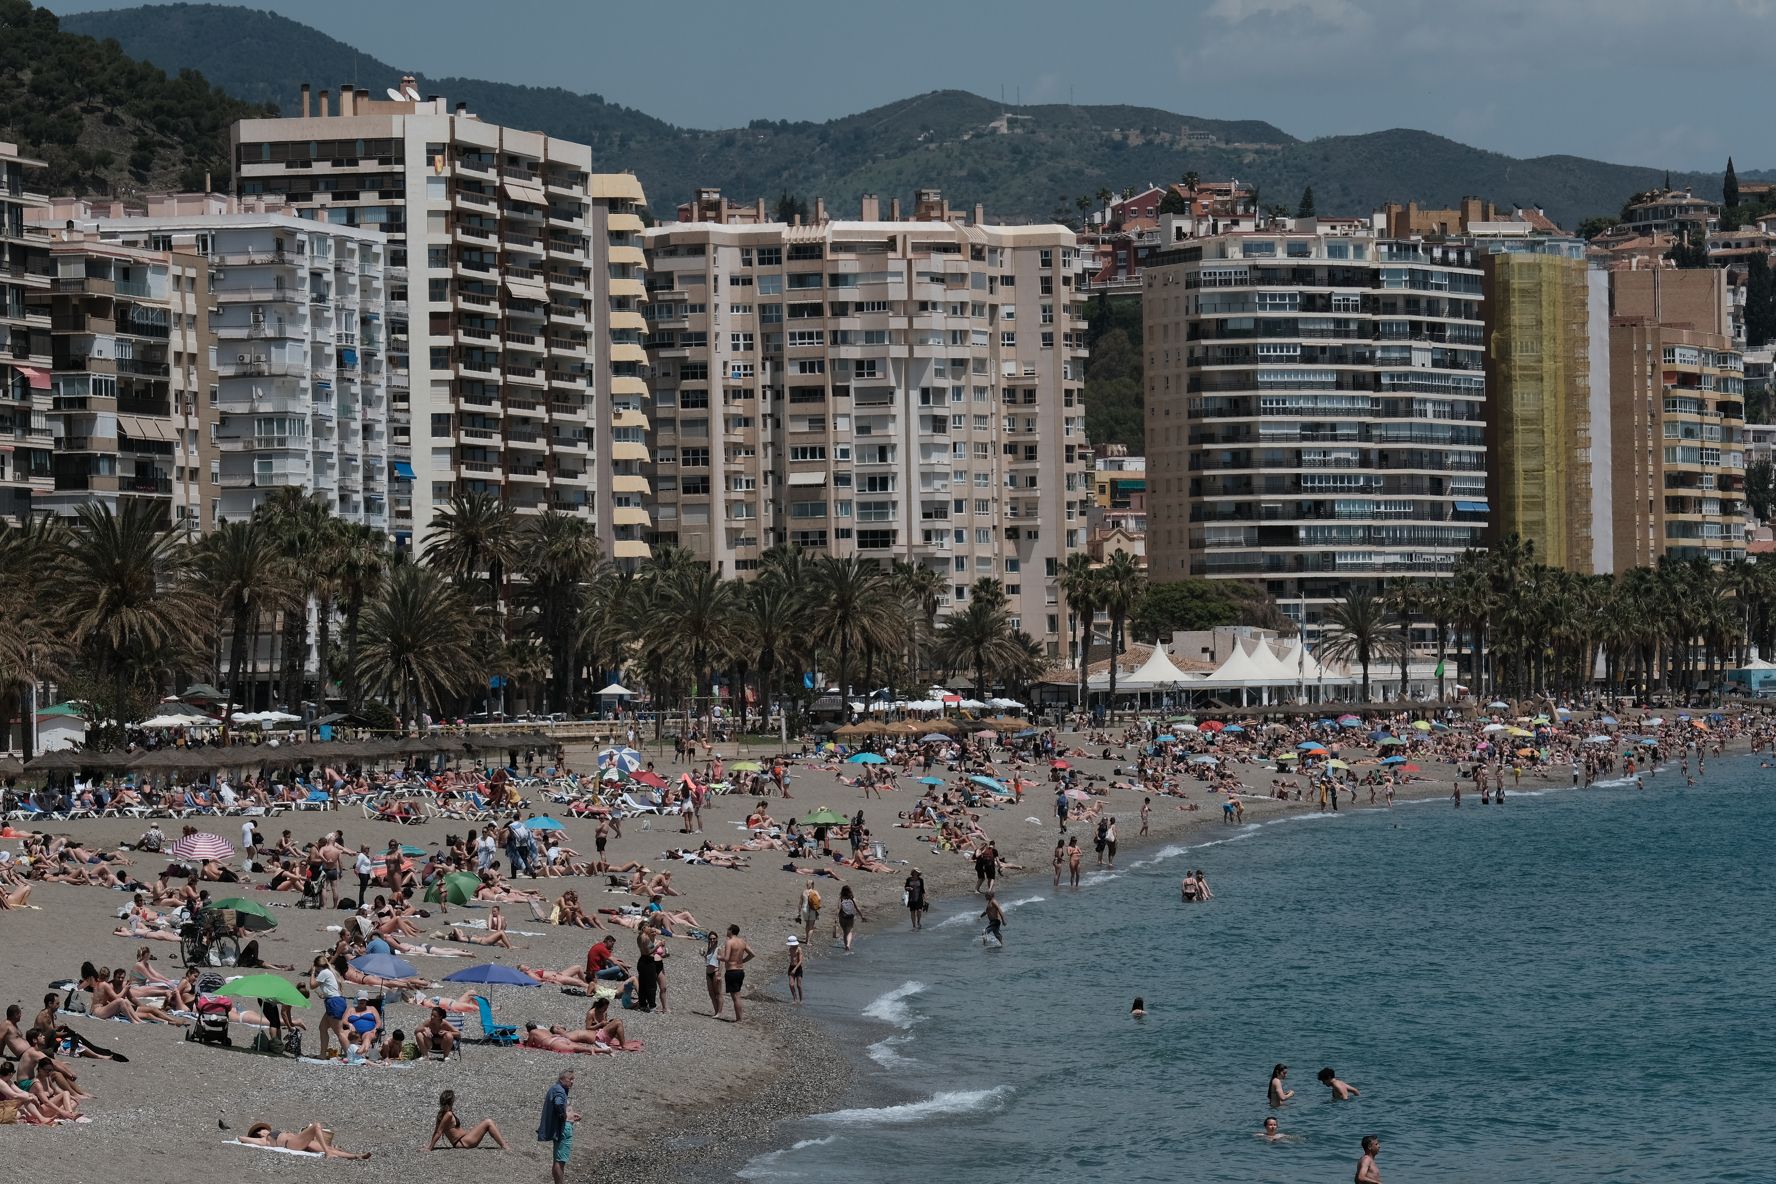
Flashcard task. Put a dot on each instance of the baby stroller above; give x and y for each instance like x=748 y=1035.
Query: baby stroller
x=212 y=1022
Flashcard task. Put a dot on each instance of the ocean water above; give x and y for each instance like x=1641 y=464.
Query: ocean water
x=1576 y=986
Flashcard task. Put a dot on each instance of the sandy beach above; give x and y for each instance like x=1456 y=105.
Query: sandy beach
x=702 y=1090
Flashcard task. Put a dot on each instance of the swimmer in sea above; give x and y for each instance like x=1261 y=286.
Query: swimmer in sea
x=1367 y=1172
x=1139 y=1010
x=1276 y=1094
x=1272 y=1134
x=1342 y=1091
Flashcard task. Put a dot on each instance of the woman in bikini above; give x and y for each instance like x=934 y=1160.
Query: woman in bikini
x=448 y=1130
x=313 y=1138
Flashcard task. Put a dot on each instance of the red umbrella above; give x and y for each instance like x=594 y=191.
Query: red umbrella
x=1213 y=725
x=1409 y=768
x=201 y=846
x=1060 y=765
x=1316 y=752
x=651 y=780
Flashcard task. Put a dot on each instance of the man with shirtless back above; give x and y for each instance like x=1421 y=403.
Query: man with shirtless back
x=735 y=955
x=330 y=853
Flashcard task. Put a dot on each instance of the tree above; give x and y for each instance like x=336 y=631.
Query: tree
x=1191 y=182
x=852 y=609
x=359 y=557
x=1690 y=250
x=1730 y=186
x=696 y=616
x=33 y=644
x=1306 y=208
x=474 y=537
x=1356 y=629
x=1078 y=586
x=250 y=579
x=981 y=638
x=1403 y=600
x=1760 y=487
x=418 y=640
x=1168 y=607
x=1119 y=587
x=1174 y=203
x=790 y=207
x=557 y=554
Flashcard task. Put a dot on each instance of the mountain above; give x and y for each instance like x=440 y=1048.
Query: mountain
x=104 y=123
x=1021 y=162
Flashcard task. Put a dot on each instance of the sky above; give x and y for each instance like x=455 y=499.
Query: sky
x=1655 y=82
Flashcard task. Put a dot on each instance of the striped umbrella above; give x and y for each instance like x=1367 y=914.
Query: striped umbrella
x=202 y=846
x=626 y=759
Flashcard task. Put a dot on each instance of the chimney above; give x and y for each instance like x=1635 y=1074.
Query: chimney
x=980 y=214
x=820 y=211
x=871 y=210
x=305 y=100
x=894 y=209
x=324 y=104
x=758 y=212
x=462 y=106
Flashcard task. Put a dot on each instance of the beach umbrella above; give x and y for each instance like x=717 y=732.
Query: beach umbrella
x=985 y=734
x=1527 y=752
x=989 y=783
x=1597 y=740
x=1027 y=733
x=1213 y=725
x=1422 y=725
x=1608 y=721
x=1188 y=729
x=1350 y=721
x=931 y=781
x=616 y=776
x=1519 y=732
x=1649 y=742
x=1316 y=751
x=934 y=738
x=1204 y=760
x=201 y=846
x=1410 y=769
x=1233 y=728
x=825 y=817
x=1165 y=739
x=1060 y=765
x=746 y=767
x=1336 y=764
x=626 y=759
x=493 y=973
x=1656 y=721
x=456 y=887
x=1438 y=726
x=543 y=822
x=1498 y=705
x=253 y=915
x=1079 y=795
x=383 y=966
x=1288 y=756
x=1393 y=760
x=1489 y=728
x=1306 y=746
x=264 y=987
x=1391 y=742
x=651 y=780
x=866 y=758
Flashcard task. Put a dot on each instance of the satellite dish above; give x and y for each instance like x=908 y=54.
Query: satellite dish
x=396 y=95
x=413 y=93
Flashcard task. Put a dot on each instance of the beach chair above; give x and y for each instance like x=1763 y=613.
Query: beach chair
x=477 y=807
x=491 y=1032
x=317 y=799
x=631 y=806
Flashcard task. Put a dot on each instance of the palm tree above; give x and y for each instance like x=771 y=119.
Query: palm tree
x=32 y=642
x=123 y=589
x=559 y=553
x=358 y=558
x=1191 y=183
x=696 y=616
x=1120 y=583
x=922 y=588
x=981 y=637
x=1470 y=606
x=249 y=577
x=1079 y=585
x=302 y=527
x=1405 y=600
x=475 y=537
x=417 y=643
x=772 y=627
x=1357 y=629
x=852 y=608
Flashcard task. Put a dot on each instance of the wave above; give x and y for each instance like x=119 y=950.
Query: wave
x=1012 y=904
x=760 y=1167
x=882 y=1052
x=1099 y=878
x=891 y=1008
x=947 y=1104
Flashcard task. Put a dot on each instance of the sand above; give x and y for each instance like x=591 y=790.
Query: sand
x=702 y=1090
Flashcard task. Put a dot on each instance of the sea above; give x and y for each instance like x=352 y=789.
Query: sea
x=1578 y=985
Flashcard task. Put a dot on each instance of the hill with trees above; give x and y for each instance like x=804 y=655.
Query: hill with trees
x=1022 y=162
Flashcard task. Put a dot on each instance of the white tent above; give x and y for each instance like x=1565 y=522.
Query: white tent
x=1155 y=673
x=617 y=689
x=1275 y=670
x=1758 y=664
x=1239 y=669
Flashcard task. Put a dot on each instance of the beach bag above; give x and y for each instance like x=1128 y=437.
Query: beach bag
x=813 y=900
x=9 y=1111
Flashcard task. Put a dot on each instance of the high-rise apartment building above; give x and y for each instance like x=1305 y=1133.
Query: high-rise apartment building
x=297 y=334
x=1677 y=418
x=499 y=314
x=130 y=373
x=1316 y=411
x=25 y=443
x=896 y=389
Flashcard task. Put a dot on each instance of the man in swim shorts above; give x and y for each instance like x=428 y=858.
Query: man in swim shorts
x=734 y=957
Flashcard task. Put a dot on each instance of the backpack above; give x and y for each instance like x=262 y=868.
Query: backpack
x=813 y=899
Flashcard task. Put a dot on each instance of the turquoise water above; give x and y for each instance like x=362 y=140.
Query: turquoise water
x=1576 y=986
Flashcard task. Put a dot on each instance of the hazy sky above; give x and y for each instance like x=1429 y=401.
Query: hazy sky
x=1675 y=83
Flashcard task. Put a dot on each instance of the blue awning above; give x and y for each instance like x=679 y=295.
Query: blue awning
x=1471 y=507
x=404 y=470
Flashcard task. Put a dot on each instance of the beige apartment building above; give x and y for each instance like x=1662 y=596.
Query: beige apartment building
x=130 y=375
x=899 y=388
x=25 y=439
x=514 y=277
x=1316 y=411
x=1677 y=418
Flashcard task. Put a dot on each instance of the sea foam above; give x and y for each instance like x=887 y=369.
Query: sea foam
x=892 y=1007
x=946 y=1104
x=882 y=1052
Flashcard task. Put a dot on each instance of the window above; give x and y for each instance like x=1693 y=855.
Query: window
x=694 y=458
x=770 y=256
x=806 y=279
x=740 y=343
x=1007 y=339
x=806 y=338
x=807 y=452
x=810 y=366
x=807 y=510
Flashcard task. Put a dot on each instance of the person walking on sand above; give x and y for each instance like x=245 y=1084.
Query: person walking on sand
x=1367 y=1172
x=995 y=917
x=557 y=1125
x=810 y=911
x=1061 y=808
x=795 y=968
x=735 y=955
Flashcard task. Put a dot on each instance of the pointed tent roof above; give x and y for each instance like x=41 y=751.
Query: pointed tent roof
x=1157 y=671
x=1758 y=664
x=1239 y=670
x=1275 y=669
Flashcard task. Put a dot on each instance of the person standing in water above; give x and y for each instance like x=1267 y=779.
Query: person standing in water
x=1276 y=1095
x=1342 y=1091
x=795 y=968
x=995 y=920
x=1074 y=857
x=1367 y=1172
x=915 y=897
x=1059 y=859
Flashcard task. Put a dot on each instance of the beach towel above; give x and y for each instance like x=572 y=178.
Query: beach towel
x=279 y=1150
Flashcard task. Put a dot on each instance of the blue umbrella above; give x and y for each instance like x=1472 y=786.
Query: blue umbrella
x=1350 y=723
x=931 y=781
x=867 y=758
x=1233 y=728
x=1325 y=723
x=384 y=966
x=995 y=786
x=1027 y=733
x=493 y=972
x=1393 y=760
x=1307 y=744
x=1204 y=760
x=1167 y=739
x=1608 y=719
x=543 y=822
x=626 y=759
x=1650 y=742
x=934 y=738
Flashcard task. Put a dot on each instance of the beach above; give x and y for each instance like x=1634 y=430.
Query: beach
x=703 y=1094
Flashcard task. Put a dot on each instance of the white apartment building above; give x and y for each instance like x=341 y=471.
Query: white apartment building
x=1316 y=411
x=25 y=441
x=501 y=307
x=296 y=337
x=898 y=389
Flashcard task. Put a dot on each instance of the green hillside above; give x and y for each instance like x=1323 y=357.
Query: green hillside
x=105 y=123
x=1021 y=162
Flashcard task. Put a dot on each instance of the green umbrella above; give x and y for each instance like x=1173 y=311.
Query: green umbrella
x=410 y=850
x=746 y=767
x=825 y=817
x=265 y=987
x=460 y=885
x=252 y=914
